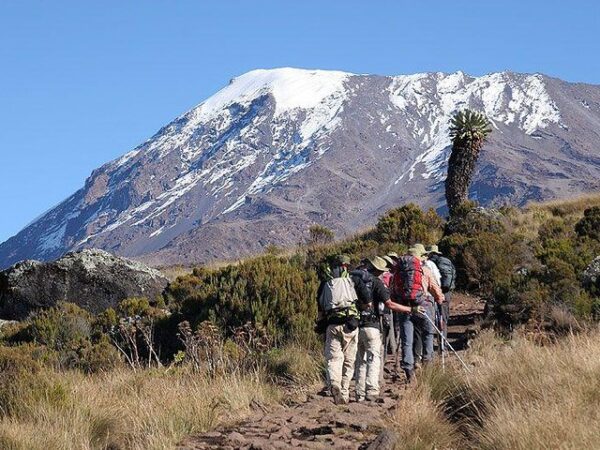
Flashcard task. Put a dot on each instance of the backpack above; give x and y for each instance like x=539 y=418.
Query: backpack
x=337 y=294
x=408 y=281
x=447 y=271
x=363 y=279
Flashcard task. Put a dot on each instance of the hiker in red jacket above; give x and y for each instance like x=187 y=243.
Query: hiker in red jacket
x=415 y=287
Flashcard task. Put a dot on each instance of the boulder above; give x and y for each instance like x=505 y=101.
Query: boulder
x=591 y=275
x=91 y=278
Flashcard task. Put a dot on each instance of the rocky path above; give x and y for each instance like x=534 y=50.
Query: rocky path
x=317 y=423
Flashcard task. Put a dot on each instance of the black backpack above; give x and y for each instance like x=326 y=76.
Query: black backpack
x=364 y=278
x=447 y=271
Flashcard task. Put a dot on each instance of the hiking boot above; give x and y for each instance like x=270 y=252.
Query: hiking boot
x=338 y=398
x=410 y=375
x=360 y=398
x=371 y=397
x=325 y=392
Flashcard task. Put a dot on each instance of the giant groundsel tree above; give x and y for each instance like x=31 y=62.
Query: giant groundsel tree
x=468 y=130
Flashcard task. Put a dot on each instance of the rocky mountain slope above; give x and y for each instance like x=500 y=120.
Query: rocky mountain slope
x=277 y=150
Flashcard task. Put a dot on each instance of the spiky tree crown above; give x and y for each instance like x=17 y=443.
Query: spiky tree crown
x=469 y=126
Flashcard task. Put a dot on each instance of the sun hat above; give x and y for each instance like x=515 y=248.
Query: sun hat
x=432 y=249
x=378 y=263
x=417 y=250
x=393 y=255
x=388 y=259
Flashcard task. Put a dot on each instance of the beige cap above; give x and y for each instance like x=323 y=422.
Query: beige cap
x=393 y=255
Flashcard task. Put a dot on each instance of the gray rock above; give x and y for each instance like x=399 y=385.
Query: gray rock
x=591 y=275
x=386 y=440
x=92 y=279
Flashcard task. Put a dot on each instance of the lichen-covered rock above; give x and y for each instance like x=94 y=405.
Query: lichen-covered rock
x=93 y=279
x=591 y=275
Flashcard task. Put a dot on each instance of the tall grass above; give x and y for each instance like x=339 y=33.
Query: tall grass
x=519 y=396
x=121 y=409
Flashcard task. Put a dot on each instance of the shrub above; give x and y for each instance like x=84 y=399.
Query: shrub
x=408 y=225
x=486 y=259
x=469 y=219
x=64 y=328
x=270 y=292
x=319 y=234
x=589 y=225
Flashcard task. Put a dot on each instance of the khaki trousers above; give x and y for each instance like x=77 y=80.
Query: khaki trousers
x=340 y=354
x=368 y=362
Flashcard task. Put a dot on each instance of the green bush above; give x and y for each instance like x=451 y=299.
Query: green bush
x=272 y=292
x=63 y=328
x=590 y=224
x=408 y=225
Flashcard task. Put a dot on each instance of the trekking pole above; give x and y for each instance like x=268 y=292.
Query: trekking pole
x=442 y=350
x=447 y=343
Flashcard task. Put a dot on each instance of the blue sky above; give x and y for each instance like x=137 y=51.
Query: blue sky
x=84 y=82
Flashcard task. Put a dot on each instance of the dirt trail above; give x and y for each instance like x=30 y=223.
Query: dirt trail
x=318 y=423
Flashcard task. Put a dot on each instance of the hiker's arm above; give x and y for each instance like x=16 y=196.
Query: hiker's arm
x=390 y=304
x=381 y=294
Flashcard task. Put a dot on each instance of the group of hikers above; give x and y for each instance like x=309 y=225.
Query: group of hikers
x=408 y=295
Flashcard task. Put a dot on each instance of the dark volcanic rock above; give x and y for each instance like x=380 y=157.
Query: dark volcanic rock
x=93 y=279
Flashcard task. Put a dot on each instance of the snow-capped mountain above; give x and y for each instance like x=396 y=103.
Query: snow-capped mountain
x=277 y=150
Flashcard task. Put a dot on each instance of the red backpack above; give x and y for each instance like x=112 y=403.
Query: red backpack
x=408 y=281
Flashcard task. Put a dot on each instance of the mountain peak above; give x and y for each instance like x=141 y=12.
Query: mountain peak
x=292 y=88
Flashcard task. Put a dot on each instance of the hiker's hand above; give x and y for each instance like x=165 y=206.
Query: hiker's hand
x=417 y=310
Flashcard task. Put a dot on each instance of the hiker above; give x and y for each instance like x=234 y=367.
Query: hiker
x=386 y=276
x=368 y=358
x=447 y=280
x=415 y=286
x=338 y=317
x=418 y=338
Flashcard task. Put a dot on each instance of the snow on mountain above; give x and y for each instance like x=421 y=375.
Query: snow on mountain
x=503 y=97
x=276 y=150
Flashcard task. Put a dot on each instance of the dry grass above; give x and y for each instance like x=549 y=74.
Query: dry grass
x=126 y=410
x=421 y=423
x=528 y=220
x=519 y=396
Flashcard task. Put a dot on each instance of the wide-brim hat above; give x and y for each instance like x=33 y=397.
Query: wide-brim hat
x=389 y=260
x=393 y=255
x=378 y=263
x=417 y=250
x=432 y=249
